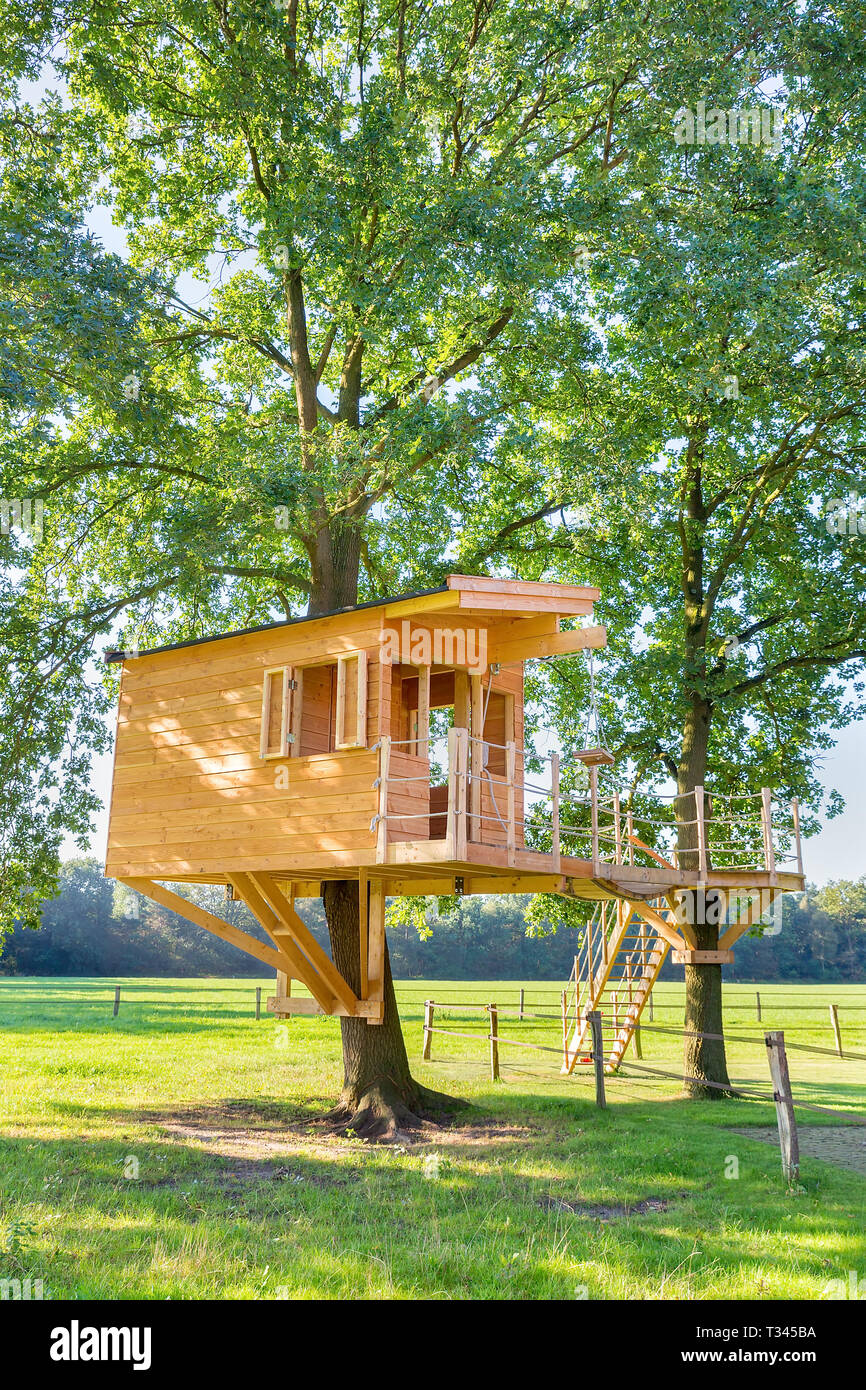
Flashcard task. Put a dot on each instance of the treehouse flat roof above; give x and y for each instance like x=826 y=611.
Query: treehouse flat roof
x=469 y=594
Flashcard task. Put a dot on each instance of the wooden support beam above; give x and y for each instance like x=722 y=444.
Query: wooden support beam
x=655 y=919
x=363 y=923
x=304 y=939
x=299 y=967
x=702 y=957
x=376 y=944
x=554 y=644
x=276 y=959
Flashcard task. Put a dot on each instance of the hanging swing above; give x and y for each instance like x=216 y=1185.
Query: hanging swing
x=593 y=754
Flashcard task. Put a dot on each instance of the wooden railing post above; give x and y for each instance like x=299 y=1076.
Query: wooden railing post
x=554 y=812
x=451 y=815
x=767 y=824
x=617 y=828
x=834 y=1019
x=594 y=1019
x=785 y=1118
x=564 y=1005
x=428 y=1027
x=511 y=773
x=494 y=1041
x=384 y=764
x=702 y=834
x=629 y=830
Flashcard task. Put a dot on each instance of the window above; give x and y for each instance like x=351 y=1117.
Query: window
x=277 y=709
x=331 y=706
x=351 y=718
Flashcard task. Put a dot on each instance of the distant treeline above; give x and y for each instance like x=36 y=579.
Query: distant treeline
x=96 y=927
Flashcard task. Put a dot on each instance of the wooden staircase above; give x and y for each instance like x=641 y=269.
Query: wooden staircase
x=618 y=963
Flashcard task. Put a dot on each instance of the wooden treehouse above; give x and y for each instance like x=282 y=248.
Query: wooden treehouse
x=384 y=743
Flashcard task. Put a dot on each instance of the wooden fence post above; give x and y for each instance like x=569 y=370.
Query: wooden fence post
x=520 y=1015
x=116 y=1000
x=494 y=1042
x=834 y=1018
x=428 y=1025
x=651 y=1006
x=594 y=1019
x=758 y=1002
x=563 y=1001
x=638 y=1050
x=258 y=1002
x=785 y=1117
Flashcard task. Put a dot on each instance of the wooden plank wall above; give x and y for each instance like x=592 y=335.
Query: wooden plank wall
x=191 y=795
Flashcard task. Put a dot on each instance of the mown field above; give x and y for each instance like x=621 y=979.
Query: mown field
x=177 y=1151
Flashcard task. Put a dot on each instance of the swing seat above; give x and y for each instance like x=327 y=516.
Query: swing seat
x=594 y=757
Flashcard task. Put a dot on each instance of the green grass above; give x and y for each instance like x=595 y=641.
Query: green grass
x=241 y=1194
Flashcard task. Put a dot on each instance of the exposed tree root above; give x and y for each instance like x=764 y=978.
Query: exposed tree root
x=381 y=1113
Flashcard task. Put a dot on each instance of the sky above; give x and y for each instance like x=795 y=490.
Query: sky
x=838 y=851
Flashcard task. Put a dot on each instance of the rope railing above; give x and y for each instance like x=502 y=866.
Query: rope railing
x=605 y=825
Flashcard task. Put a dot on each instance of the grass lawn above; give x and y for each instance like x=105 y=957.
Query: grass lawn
x=537 y=1194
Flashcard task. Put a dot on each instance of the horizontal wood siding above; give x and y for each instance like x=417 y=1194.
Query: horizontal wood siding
x=191 y=794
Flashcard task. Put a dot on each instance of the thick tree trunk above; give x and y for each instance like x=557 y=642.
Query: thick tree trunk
x=704 y=1058
x=379 y=1097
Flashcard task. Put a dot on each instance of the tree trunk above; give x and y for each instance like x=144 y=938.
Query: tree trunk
x=379 y=1097
x=704 y=1059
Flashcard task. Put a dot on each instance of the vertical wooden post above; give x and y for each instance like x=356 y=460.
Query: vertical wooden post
x=554 y=812
x=376 y=943
x=834 y=1018
x=702 y=834
x=520 y=1015
x=511 y=773
x=598 y=1057
x=767 y=824
x=758 y=1003
x=795 y=812
x=428 y=1025
x=475 y=748
x=651 y=1006
x=617 y=828
x=564 y=1007
x=451 y=816
x=258 y=1002
x=638 y=1050
x=784 y=1105
x=629 y=830
x=593 y=794
x=384 y=764
x=494 y=1042
x=364 y=926
x=116 y=1000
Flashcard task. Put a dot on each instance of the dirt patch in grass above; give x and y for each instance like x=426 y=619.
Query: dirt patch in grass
x=844 y=1145
x=605 y=1213
x=244 y=1135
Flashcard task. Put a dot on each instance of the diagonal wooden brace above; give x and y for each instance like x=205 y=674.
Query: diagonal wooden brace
x=279 y=904
x=275 y=958
x=300 y=967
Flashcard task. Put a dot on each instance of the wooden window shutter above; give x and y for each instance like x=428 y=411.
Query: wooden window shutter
x=351 y=722
x=278 y=707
